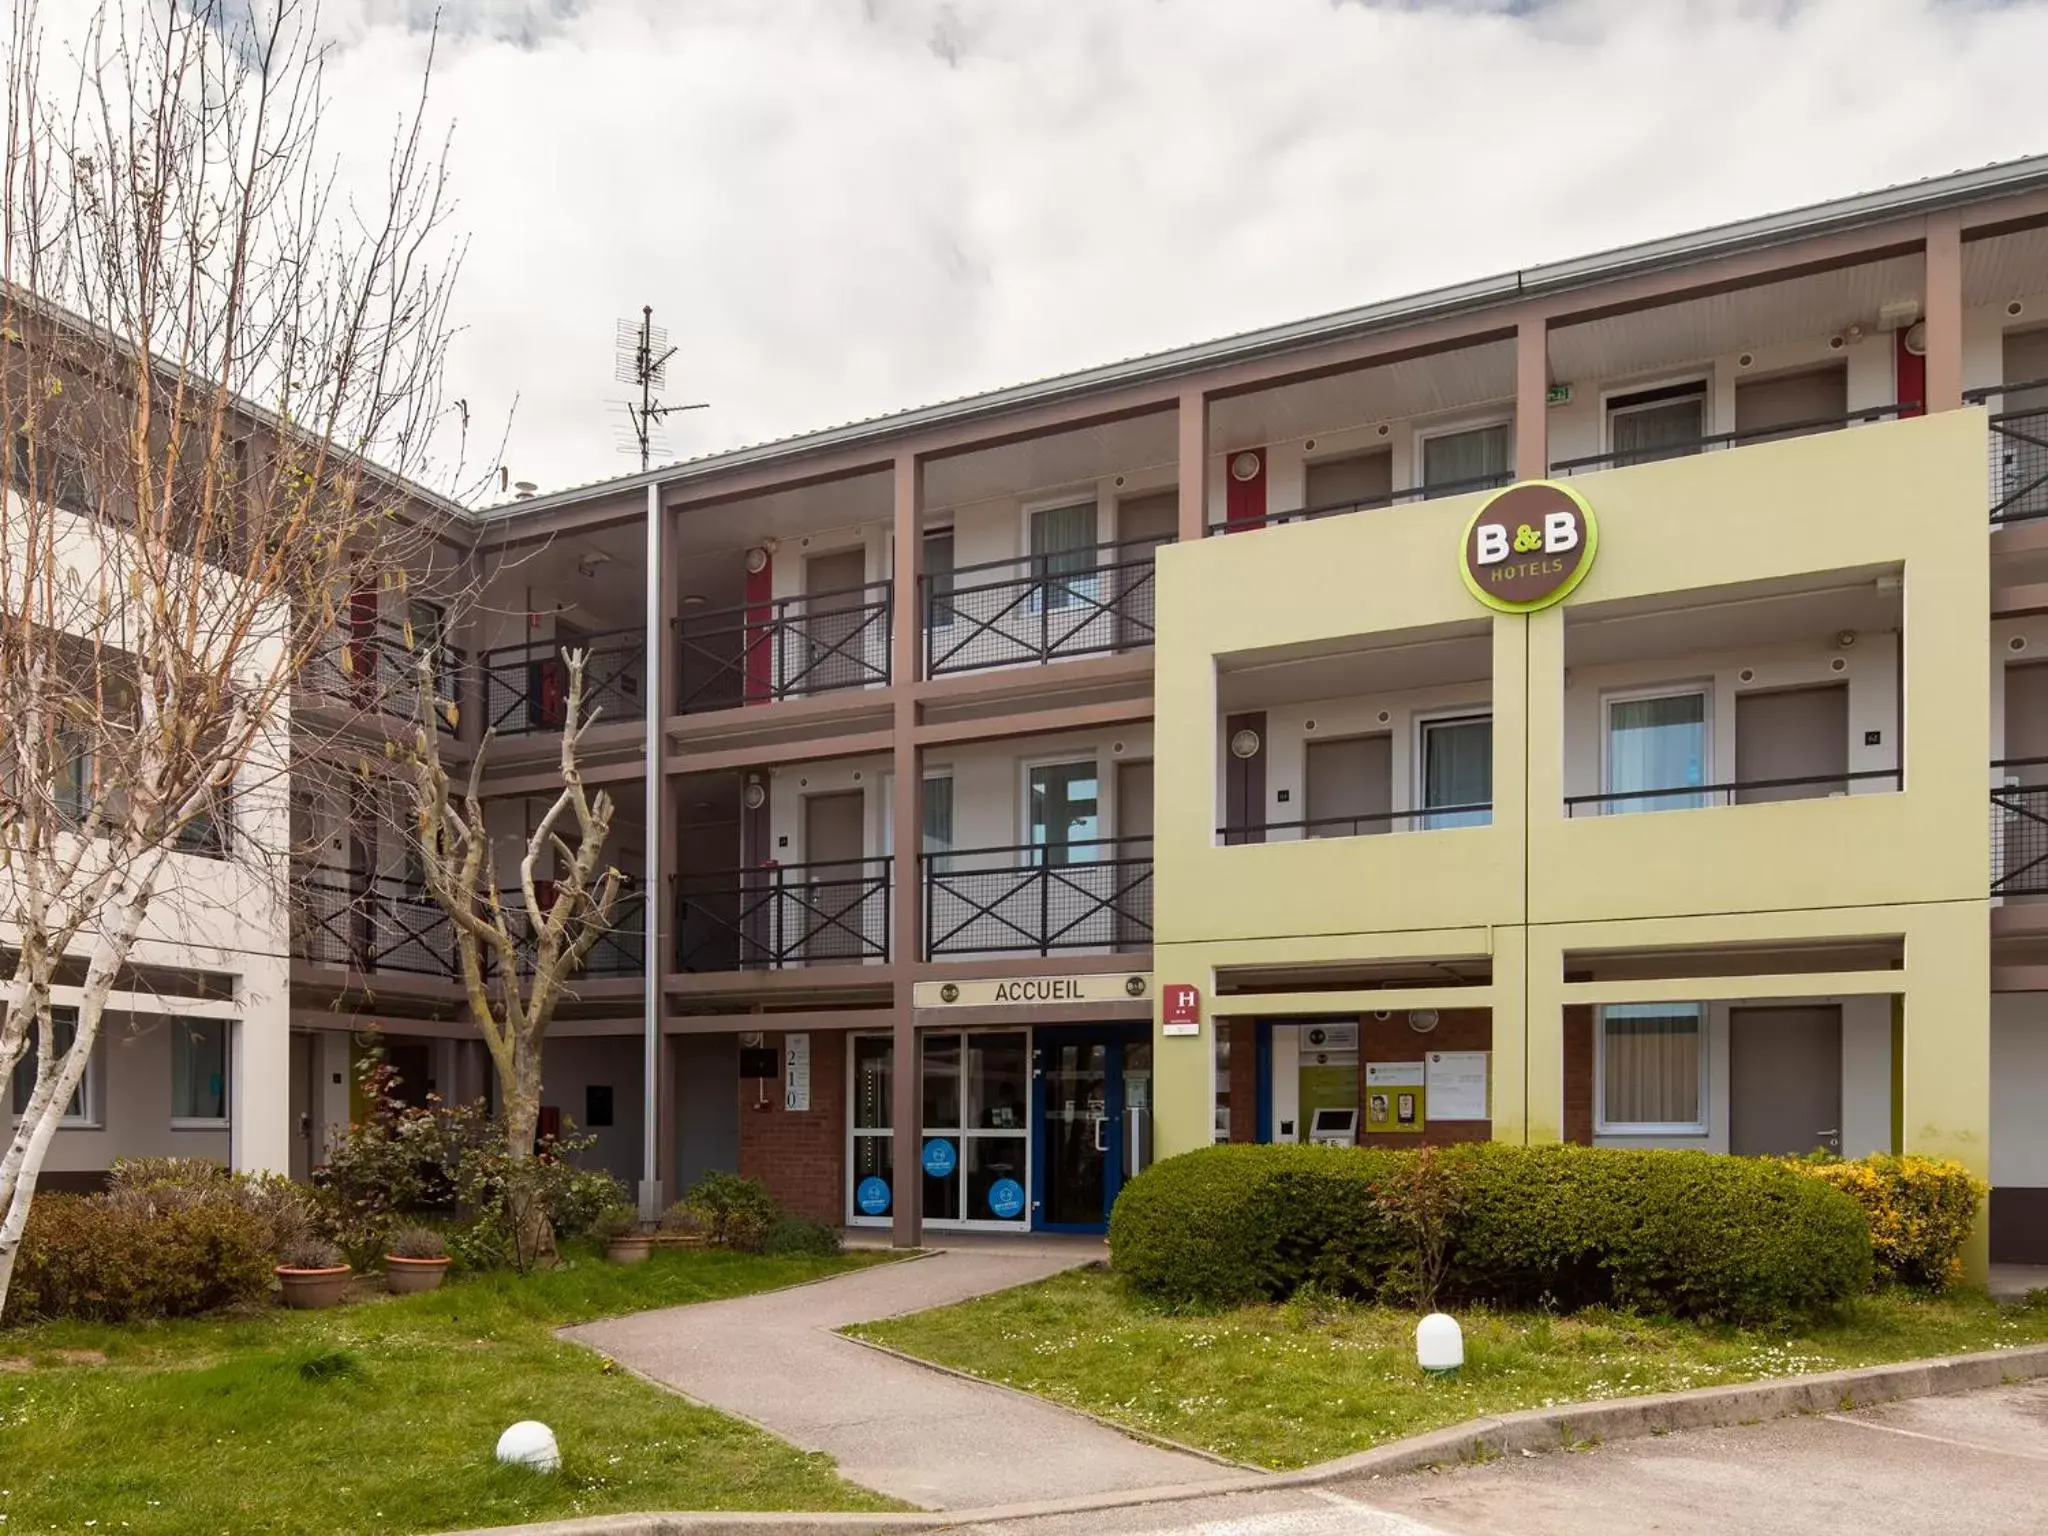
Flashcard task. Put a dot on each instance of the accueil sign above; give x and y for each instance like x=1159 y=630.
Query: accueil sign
x=1528 y=545
x=1025 y=991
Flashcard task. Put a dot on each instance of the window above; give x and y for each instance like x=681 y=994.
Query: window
x=80 y=1112
x=938 y=823
x=43 y=471
x=1064 y=811
x=1467 y=460
x=1654 y=424
x=938 y=578
x=1457 y=771
x=1652 y=1069
x=199 y=1071
x=1063 y=546
x=1656 y=743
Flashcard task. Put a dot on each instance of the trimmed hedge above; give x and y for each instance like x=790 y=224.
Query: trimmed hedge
x=109 y=1261
x=1920 y=1209
x=1693 y=1234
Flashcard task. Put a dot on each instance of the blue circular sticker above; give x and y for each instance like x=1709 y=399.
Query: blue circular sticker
x=872 y=1196
x=1006 y=1199
x=940 y=1158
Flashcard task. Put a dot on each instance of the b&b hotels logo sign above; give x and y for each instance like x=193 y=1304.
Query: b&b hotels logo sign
x=1528 y=545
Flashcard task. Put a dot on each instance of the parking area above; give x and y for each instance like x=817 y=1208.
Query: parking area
x=1970 y=1465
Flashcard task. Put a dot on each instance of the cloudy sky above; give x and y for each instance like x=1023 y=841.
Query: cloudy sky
x=843 y=207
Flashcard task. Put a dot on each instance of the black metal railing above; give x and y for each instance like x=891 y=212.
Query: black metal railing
x=1371 y=503
x=2019 y=451
x=783 y=915
x=620 y=950
x=1684 y=450
x=2019 y=828
x=784 y=648
x=370 y=923
x=1040 y=608
x=1817 y=786
x=526 y=687
x=1035 y=900
x=371 y=667
x=1433 y=818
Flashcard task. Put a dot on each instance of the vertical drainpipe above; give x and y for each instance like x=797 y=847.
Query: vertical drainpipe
x=655 y=695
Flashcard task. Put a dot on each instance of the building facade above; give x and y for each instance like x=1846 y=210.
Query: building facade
x=1240 y=811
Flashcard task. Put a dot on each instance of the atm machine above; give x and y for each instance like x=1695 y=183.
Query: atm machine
x=1334 y=1128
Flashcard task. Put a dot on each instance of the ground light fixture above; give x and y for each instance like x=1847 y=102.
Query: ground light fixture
x=530 y=1443
x=1439 y=1345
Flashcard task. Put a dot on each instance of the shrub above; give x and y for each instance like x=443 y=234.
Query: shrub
x=1920 y=1210
x=680 y=1221
x=105 y=1260
x=154 y=1184
x=418 y=1243
x=1232 y=1224
x=734 y=1212
x=799 y=1236
x=1688 y=1233
x=578 y=1198
x=614 y=1221
x=312 y=1253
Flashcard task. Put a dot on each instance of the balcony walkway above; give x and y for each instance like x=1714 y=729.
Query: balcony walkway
x=935 y=1439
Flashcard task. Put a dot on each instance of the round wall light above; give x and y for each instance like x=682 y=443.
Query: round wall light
x=1245 y=466
x=1245 y=743
x=2017 y=643
x=1422 y=1020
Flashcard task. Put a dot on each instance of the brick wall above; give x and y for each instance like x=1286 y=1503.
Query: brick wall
x=1243 y=1087
x=1578 y=1074
x=1458 y=1029
x=800 y=1157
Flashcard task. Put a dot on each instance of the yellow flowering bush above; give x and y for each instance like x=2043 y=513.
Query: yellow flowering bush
x=1920 y=1209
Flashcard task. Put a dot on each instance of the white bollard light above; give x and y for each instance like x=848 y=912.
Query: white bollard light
x=530 y=1443
x=1439 y=1344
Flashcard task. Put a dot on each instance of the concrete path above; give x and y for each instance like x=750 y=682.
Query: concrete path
x=935 y=1440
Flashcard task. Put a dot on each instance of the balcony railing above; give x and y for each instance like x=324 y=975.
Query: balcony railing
x=526 y=687
x=370 y=924
x=1035 y=900
x=1040 y=608
x=785 y=648
x=1818 y=786
x=2019 y=829
x=1434 y=818
x=372 y=668
x=1720 y=440
x=1369 y=504
x=619 y=951
x=2019 y=452
x=783 y=915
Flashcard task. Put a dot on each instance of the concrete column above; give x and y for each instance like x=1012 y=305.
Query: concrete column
x=1532 y=399
x=1194 y=464
x=260 y=1083
x=906 y=941
x=1944 y=311
x=1533 y=690
x=1946 y=1083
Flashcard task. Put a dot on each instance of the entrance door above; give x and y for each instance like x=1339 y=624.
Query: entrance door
x=833 y=618
x=1784 y=1081
x=1133 y=872
x=1794 y=733
x=829 y=919
x=301 y=1093
x=1094 y=1133
x=1143 y=523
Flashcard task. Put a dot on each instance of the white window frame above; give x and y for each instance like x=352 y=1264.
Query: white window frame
x=1704 y=688
x=952 y=531
x=1417 y=812
x=1105 y=809
x=1602 y=1126
x=1023 y=1223
x=1704 y=380
x=1453 y=427
x=1091 y=496
x=88 y=1117
x=227 y=1078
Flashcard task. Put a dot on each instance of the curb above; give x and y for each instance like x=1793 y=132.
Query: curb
x=1534 y=1430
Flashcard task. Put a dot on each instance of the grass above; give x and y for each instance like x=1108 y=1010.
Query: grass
x=1285 y=1386
x=382 y=1417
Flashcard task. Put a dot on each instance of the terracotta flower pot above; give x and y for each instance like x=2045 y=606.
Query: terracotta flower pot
x=406 y=1276
x=308 y=1290
x=633 y=1248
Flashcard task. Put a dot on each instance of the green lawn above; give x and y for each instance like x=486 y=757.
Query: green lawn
x=1284 y=1386
x=383 y=1416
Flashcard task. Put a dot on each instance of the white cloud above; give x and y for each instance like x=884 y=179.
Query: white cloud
x=841 y=207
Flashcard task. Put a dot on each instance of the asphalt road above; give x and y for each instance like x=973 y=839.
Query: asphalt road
x=1971 y=1465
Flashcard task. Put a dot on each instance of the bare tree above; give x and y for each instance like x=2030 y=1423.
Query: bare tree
x=218 y=378
x=517 y=961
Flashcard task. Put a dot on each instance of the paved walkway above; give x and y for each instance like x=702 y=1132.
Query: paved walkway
x=933 y=1439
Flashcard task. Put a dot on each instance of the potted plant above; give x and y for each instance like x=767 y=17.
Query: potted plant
x=312 y=1273
x=618 y=1228
x=417 y=1261
x=680 y=1227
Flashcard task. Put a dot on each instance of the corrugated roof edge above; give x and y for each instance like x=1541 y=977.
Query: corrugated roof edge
x=1929 y=195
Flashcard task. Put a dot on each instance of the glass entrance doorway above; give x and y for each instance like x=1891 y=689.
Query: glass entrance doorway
x=1093 y=1106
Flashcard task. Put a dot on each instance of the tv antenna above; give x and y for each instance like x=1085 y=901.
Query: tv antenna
x=643 y=360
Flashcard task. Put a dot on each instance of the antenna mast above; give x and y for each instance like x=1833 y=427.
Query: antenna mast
x=643 y=361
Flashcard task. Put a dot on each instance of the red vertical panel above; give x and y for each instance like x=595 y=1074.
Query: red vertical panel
x=760 y=631
x=1911 y=376
x=1244 y=502
x=362 y=636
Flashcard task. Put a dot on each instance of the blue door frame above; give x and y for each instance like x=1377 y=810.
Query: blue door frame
x=1113 y=1038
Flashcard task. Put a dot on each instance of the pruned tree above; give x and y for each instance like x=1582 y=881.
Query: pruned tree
x=517 y=958
x=219 y=379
